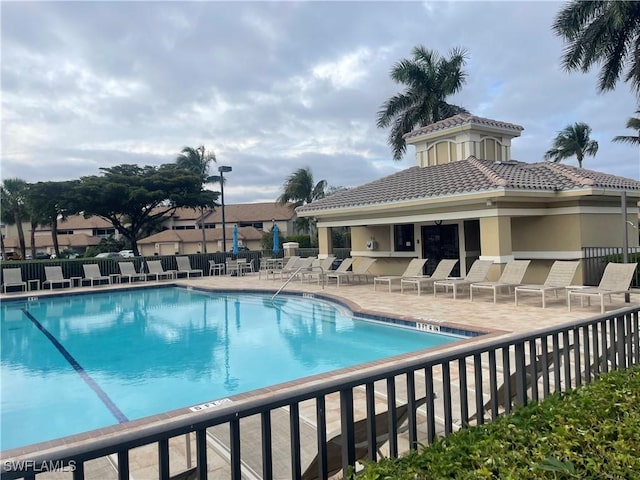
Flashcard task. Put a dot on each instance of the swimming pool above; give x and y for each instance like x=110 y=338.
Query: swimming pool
x=74 y=363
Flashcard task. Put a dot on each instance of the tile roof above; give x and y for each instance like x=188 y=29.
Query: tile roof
x=251 y=212
x=463 y=119
x=78 y=222
x=191 y=236
x=64 y=241
x=469 y=176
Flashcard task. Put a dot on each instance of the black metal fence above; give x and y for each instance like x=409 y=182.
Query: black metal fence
x=395 y=406
x=596 y=259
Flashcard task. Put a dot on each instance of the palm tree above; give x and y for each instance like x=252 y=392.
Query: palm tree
x=429 y=80
x=299 y=189
x=605 y=32
x=198 y=161
x=634 y=123
x=572 y=141
x=13 y=210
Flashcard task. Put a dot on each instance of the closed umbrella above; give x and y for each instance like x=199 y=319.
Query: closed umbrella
x=276 y=239
x=235 y=240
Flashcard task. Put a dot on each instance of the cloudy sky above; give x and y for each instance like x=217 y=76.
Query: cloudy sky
x=273 y=87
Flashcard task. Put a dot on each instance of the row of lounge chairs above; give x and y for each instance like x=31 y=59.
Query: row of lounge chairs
x=615 y=280
x=12 y=277
x=315 y=269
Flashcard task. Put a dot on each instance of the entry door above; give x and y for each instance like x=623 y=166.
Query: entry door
x=439 y=242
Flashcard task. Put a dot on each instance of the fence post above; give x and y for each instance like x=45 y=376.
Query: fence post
x=625 y=236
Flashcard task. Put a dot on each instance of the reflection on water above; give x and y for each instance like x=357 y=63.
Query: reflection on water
x=154 y=350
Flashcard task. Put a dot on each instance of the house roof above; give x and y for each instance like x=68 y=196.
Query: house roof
x=64 y=241
x=461 y=120
x=252 y=212
x=469 y=176
x=78 y=222
x=193 y=235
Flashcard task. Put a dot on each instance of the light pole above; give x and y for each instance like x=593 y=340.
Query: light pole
x=222 y=169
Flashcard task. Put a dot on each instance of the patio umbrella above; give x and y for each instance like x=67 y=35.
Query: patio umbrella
x=235 y=240
x=276 y=239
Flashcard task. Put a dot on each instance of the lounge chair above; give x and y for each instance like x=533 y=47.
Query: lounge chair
x=334 y=444
x=318 y=271
x=156 y=270
x=184 y=267
x=358 y=269
x=93 y=275
x=477 y=273
x=54 y=276
x=442 y=271
x=301 y=265
x=273 y=266
x=511 y=277
x=12 y=277
x=343 y=268
x=414 y=269
x=560 y=276
x=128 y=271
x=615 y=279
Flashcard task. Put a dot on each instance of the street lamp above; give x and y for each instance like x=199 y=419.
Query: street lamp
x=222 y=169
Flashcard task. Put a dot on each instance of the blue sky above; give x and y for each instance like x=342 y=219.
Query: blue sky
x=271 y=87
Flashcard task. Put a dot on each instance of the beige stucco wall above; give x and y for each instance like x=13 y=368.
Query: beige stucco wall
x=553 y=233
x=361 y=235
x=607 y=230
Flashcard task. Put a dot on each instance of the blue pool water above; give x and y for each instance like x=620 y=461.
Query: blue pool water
x=75 y=363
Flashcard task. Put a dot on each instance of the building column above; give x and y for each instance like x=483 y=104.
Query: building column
x=495 y=243
x=325 y=242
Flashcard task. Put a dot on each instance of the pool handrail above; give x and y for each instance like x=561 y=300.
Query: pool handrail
x=293 y=275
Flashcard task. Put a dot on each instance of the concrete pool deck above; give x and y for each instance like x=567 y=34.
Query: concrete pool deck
x=503 y=318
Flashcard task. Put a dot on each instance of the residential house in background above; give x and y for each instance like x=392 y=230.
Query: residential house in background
x=467 y=199
x=182 y=232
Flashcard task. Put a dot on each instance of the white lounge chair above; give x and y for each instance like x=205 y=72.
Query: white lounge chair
x=414 y=269
x=343 y=268
x=511 y=277
x=320 y=269
x=93 y=275
x=184 y=267
x=615 y=279
x=477 y=273
x=54 y=276
x=273 y=266
x=442 y=271
x=300 y=265
x=359 y=268
x=156 y=270
x=12 y=277
x=128 y=271
x=560 y=276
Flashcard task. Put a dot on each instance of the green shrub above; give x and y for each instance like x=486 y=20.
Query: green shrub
x=589 y=433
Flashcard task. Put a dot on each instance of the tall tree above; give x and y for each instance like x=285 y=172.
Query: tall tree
x=573 y=140
x=299 y=189
x=48 y=202
x=429 y=80
x=133 y=197
x=633 y=123
x=602 y=32
x=12 y=207
x=198 y=161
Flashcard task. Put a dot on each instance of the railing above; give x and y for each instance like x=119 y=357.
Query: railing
x=269 y=435
x=293 y=275
x=596 y=259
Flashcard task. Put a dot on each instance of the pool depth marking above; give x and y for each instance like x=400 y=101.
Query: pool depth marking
x=121 y=417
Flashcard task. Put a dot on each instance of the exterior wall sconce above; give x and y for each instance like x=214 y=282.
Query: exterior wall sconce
x=437 y=222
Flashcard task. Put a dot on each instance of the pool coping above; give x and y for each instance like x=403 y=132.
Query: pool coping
x=59 y=445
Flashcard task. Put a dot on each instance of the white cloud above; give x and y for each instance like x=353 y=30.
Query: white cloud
x=274 y=86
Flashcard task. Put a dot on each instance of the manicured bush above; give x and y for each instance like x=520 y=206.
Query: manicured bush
x=592 y=432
